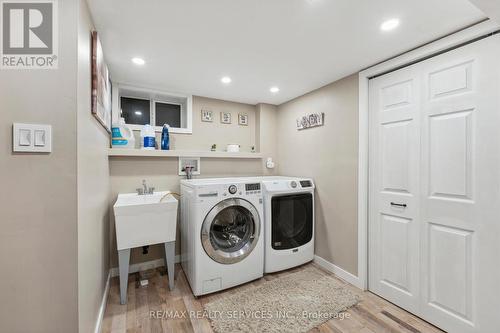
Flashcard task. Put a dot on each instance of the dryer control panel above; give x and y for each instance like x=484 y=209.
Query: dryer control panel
x=282 y=185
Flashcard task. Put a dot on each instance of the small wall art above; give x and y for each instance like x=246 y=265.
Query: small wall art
x=207 y=116
x=310 y=120
x=243 y=119
x=225 y=117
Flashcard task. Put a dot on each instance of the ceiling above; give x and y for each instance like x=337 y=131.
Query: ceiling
x=297 y=45
x=490 y=8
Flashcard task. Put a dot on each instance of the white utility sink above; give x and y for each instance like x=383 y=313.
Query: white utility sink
x=145 y=219
x=142 y=220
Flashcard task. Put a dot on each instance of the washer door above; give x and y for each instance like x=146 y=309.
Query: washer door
x=230 y=231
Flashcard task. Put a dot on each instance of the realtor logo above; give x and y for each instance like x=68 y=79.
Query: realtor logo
x=29 y=34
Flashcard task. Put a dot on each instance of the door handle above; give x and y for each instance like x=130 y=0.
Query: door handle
x=209 y=194
x=398 y=205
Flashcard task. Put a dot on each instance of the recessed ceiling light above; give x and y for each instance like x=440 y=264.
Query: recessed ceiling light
x=226 y=80
x=139 y=113
x=274 y=90
x=389 y=24
x=138 y=61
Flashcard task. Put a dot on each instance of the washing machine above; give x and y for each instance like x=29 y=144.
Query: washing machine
x=289 y=222
x=221 y=233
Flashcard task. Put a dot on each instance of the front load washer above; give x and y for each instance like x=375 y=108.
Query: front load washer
x=289 y=222
x=221 y=233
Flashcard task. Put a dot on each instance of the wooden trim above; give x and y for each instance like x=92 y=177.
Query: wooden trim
x=102 y=308
x=339 y=272
x=363 y=183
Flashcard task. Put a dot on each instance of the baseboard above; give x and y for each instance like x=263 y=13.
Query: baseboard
x=142 y=266
x=102 y=308
x=339 y=272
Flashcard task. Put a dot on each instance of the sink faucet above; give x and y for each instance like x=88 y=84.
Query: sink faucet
x=145 y=189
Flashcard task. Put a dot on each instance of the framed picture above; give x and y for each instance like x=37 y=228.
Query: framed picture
x=243 y=119
x=310 y=120
x=101 y=85
x=207 y=115
x=225 y=117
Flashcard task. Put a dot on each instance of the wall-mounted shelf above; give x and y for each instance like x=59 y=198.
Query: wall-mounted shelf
x=116 y=152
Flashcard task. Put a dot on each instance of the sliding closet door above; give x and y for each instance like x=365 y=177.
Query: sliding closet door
x=394 y=187
x=452 y=215
x=461 y=188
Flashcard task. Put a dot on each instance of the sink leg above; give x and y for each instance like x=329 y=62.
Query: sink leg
x=170 y=262
x=123 y=263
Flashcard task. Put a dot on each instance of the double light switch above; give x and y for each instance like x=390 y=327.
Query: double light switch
x=32 y=138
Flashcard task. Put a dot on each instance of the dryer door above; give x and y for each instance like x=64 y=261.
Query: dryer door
x=230 y=231
x=292 y=220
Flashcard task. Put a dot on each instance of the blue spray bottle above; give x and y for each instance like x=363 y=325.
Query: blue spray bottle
x=165 y=138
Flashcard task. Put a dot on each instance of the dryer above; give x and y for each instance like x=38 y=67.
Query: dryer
x=221 y=232
x=289 y=222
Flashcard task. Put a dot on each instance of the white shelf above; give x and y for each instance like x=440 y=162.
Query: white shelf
x=116 y=152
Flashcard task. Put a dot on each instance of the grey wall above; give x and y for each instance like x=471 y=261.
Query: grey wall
x=38 y=233
x=205 y=134
x=265 y=135
x=127 y=173
x=93 y=188
x=329 y=154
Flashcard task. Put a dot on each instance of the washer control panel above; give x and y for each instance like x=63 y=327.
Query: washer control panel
x=232 y=189
x=237 y=189
x=252 y=188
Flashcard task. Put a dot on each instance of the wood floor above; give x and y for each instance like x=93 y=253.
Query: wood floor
x=371 y=315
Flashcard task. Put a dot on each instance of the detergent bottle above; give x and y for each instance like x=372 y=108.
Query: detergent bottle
x=121 y=135
x=165 y=138
x=148 y=137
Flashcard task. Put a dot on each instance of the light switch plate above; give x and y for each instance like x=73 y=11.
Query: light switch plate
x=32 y=138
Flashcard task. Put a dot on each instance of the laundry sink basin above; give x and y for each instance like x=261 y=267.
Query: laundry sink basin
x=145 y=219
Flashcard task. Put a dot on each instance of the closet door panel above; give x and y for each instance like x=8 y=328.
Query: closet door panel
x=461 y=188
x=434 y=187
x=394 y=187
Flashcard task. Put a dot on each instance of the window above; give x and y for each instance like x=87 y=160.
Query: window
x=140 y=106
x=135 y=111
x=168 y=113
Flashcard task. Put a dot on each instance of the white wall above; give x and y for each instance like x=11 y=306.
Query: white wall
x=93 y=188
x=490 y=8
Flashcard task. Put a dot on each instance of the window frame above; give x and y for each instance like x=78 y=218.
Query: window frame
x=154 y=96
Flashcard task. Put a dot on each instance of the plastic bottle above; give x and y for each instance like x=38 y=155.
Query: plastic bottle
x=165 y=138
x=121 y=135
x=148 y=137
